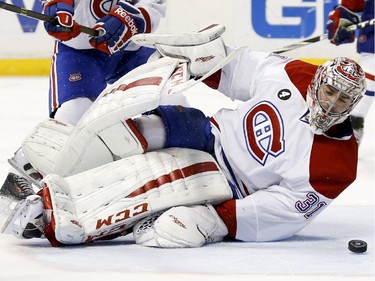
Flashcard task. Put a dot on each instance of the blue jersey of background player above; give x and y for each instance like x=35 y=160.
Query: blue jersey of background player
x=83 y=66
x=346 y=14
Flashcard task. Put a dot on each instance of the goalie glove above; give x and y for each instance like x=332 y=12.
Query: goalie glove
x=119 y=26
x=181 y=227
x=64 y=28
x=338 y=20
x=202 y=50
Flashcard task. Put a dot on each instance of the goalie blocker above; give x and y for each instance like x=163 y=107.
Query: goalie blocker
x=106 y=202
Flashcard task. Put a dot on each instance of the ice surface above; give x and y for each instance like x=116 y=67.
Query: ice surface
x=319 y=252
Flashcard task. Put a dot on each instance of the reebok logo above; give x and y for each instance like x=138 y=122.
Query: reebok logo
x=128 y=19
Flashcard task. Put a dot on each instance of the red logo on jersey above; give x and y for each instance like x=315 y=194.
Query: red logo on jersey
x=100 y=8
x=264 y=131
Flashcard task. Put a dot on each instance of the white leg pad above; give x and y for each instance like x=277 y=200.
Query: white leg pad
x=112 y=198
x=104 y=133
x=45 y=143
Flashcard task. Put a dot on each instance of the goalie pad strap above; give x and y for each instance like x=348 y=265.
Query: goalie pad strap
x=109 y=200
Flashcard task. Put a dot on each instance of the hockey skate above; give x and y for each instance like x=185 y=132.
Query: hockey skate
x=16 y=186
x=26 y=220
x=20 y=180
x=25 y=169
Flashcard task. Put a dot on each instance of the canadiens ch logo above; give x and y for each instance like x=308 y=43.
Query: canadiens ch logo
x=75 y=77
x=100 y=8
x=264 y=131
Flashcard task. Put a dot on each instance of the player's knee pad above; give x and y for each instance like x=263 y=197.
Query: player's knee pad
x=186 y=127
x=105 y=132
x=54 y=147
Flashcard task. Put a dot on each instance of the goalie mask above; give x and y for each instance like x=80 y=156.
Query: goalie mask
x=338 y=85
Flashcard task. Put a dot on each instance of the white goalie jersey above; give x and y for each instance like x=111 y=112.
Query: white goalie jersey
x=283 y=172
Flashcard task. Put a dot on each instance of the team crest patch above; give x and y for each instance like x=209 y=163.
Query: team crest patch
x=264 y=132
x=75 y=77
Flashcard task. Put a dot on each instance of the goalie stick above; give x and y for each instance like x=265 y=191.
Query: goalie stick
x=322 y=37
x=43 y=17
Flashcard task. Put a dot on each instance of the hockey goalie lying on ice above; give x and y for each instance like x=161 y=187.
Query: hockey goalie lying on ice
x=260 y=170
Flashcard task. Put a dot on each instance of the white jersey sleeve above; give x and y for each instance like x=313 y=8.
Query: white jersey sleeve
x=239 y=80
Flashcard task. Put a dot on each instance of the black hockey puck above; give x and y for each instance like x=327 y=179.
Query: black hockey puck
x=357 y=246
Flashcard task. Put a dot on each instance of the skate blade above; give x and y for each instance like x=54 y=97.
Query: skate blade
x=35 y=184
x=15 y=212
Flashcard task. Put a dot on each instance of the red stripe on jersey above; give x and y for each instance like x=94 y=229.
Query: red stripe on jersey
x=333 y=165
x=213 y=80
x=174 y=176
x=300 y=74
x=227 y=212
x=53 y=90
x=370 y=76
x=147 y=18
x=213 y=122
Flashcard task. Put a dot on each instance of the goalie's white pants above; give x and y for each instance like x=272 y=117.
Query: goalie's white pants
x=71 y=111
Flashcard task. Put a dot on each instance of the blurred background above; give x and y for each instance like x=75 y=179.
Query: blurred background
x=264 y=25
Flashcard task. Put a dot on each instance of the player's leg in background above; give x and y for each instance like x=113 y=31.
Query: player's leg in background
x=75 y=75
x=365 y=47
x=361 y=110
